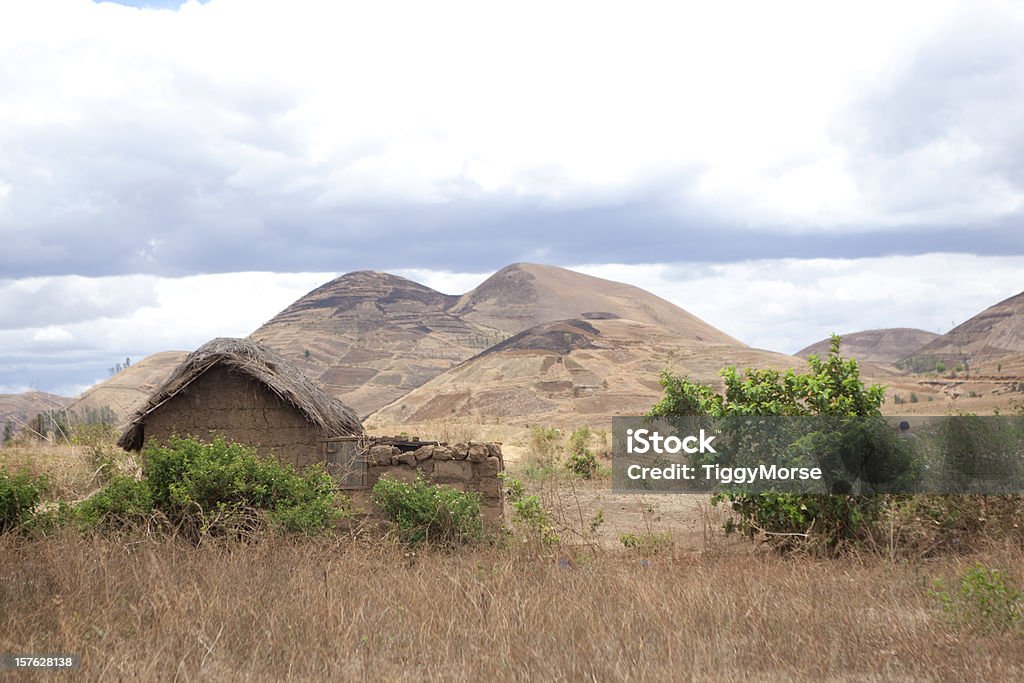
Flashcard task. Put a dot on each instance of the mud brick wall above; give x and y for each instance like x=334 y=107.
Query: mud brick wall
x=243 y=410
x=463 y=466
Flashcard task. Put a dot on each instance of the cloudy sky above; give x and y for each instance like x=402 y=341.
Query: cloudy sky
x=172 y=172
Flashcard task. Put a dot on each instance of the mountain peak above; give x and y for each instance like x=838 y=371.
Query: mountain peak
x=996 y=332
x=523 y=295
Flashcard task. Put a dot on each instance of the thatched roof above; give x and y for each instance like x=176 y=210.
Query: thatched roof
x=262 y=364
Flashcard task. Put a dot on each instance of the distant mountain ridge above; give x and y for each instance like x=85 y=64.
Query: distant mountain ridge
x=884 y=347
x=571 y=370
x=370 y=338
x=984 y=342
x=18 y=409
x=126 y=391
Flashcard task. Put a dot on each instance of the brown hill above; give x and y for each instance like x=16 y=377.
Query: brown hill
x=126 y=391
x=370 y=338
x=982 y=343
x=572 y=371
x=524 y=295
x=20 y=408
x=883 y=347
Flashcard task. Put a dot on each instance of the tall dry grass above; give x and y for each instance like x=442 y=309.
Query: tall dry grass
x=159 y=609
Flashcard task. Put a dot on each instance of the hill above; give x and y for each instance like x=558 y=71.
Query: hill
x=572 y=371
x=126 y=391
x=883 y=347
x=984 y=343
x=371 y=338
x=20 y=408
x=523 y=295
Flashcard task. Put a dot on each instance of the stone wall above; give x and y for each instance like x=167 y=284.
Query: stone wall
x=463 y=466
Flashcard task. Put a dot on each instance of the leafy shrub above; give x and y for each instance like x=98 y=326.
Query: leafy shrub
x=832 y=387
x=19 y=495
x=529 y=514
x=582 y=461
x=648 y=543
x=583 y=464
x=798 y=521
x=430 y=513
x=122 y=502
x=225 y=488
x=579 y=440
x=985 y=599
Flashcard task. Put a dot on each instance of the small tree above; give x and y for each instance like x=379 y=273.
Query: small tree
x=8 y=432
x=832 y=387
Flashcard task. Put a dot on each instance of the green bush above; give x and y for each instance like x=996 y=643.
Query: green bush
x=803 y=521
x=583 y=464
x=124 y=501
x=225 y=488
x=430 y=513
x=985 y=600
x=19 y=495
x=648 y=543
x=529 y=514
x=582 y=461
x=579 y=440
x=832 y=387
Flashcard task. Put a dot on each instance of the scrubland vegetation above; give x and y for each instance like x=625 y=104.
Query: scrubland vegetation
x=200 y=561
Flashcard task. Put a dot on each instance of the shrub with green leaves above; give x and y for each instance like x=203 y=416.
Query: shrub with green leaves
x=124 y=501
x=430 y=513
x=226 y=488
x=582 y=461
x=528 y=513
x=582 y=464
x=647 y=543
x=985 y=599
x=19 y=495
x=832 y=387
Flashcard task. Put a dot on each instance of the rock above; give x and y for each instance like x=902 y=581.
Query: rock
x=490 y=488
x=453 y=470
x=478 y=452
x=490 y=467
x=493 y=450
x=460 y=451
x=443 y=453
x=408 y=459
x=423 y=452
x=380 y=455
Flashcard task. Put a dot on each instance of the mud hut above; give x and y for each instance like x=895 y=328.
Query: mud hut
x=248 y=394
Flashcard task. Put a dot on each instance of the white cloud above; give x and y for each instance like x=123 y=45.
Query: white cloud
x=787 y=304
x=51 y=333
x=227 y=118
x=444 y=281
x=184 y=313
x=32 y=302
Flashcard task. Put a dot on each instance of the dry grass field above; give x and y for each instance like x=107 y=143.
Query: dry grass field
x=356 y=605
x=150 y=609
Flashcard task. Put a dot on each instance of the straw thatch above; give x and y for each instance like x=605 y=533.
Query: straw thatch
x=262 y=364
